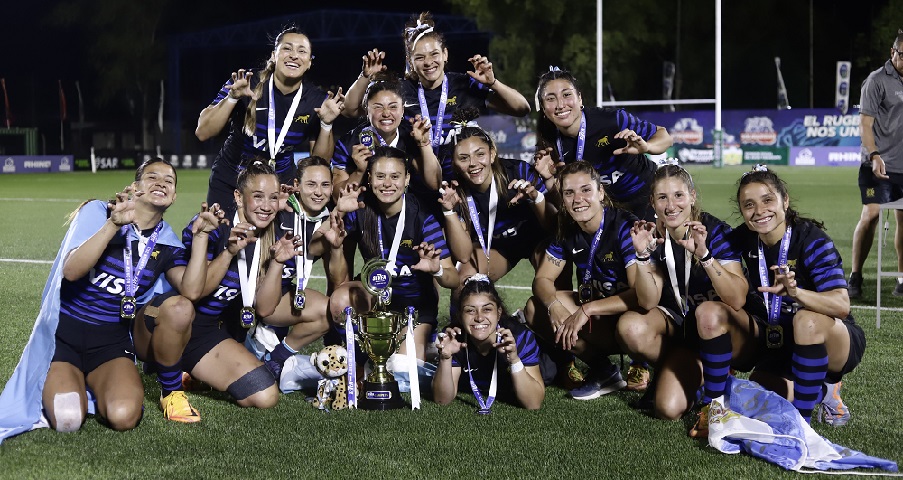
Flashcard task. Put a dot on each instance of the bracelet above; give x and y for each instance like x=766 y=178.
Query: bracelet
x=706 y=257
x=231 y=99
x=707 y=263
x=584 y=311
x=872 y=154
x=448 y=213
x=516 y=366
x=424 y=144
x=440 y=272
x=325 y=126
x=549 y=308
x=642 y=259
x=493 y=82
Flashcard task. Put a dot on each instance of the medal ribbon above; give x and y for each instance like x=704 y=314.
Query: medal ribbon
x=670 y=261
x=581 y=139
x=303 y=263
x=247 y=278
x=485 y=243
x=273 y=143
x=352 y=358
x=411 y=348
x=592 y=250
x=131 y=281
x=493 y=383
x=396 y=241
x=774 y=305
x=436 y=133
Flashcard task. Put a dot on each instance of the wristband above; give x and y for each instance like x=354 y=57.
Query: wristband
x=876 y=152
x=493 y=82
x=440 y=272
x=706 y=257
x=516 y=367
x=707 y=263
x=539 y=197
x=642 y=259
x=448 y=213
x=325 y=126
x=231 y=99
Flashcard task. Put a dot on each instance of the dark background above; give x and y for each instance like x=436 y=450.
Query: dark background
x=49 y=41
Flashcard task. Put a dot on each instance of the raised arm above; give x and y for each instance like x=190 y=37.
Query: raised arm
x=504 y=99
x=214 y=117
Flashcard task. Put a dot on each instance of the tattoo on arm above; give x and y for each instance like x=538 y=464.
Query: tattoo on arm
x=555 y=261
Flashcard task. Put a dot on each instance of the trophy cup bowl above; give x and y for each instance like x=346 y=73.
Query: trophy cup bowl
x=379 y=334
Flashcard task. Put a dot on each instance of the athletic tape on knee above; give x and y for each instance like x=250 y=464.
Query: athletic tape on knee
x=67 y=408
x=256 y=380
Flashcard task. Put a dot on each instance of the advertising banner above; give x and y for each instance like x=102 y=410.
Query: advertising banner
x=825 y=156
x=37 y=164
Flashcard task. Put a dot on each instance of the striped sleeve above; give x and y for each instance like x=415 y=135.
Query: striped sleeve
x=824 y=265
x=528 y=173
x=178 y=257
x=432 y=233
x=221 y=94
x=720 y=245
x=641 y=127
x=527 y=348
x=555 y=250
x=342 y=155
x=626 y=244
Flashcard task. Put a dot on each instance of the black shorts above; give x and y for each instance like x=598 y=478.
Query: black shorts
x=206 y=332
x=779 y=361
x=89 y=346
x=875 y=190
x=686 y=332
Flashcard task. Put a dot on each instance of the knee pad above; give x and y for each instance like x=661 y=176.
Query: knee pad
x=67 y=408
x=256 y=380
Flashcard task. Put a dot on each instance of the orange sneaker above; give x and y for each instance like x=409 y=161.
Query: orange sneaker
x=637 y=378
x=701 y=428
x=176 y=408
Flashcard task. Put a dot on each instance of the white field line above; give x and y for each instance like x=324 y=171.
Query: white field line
x=41 y=199
x=508 y=287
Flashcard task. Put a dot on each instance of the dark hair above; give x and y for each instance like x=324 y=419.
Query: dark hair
x=480 y=287
x=250 y=124
x=665 y=172
x=382 y=82
x=464 y=127
x=139 y=172
x=763 y=175
x=369 y=214
x=311 y=161
x=565 y=222
x=543 y=123
x=413 y=28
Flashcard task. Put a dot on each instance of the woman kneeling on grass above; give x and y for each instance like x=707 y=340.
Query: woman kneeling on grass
x=236 y=259
x=105 y=273
x=802 y=335
x=488 y=342
x=683 y=260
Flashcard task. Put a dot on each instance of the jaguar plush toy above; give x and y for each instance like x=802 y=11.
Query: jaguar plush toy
x=332 y=390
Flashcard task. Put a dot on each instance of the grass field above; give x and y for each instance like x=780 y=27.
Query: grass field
x=603 y=438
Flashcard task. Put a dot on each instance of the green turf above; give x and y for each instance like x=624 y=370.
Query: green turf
x=601 y=438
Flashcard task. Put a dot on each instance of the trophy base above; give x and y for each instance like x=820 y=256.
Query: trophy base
x=380 y=396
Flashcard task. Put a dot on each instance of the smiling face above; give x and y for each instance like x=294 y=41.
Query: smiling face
x=388 y=179
x=259 y=201
x=315 y=186
x=561 y=103
x=764 y=211
x=428 y=59
x=673 y=201
x=158 y=181
x=292 y=57
x=582 y=196
x=473 y=161
x=480 y=316
x=384 y=110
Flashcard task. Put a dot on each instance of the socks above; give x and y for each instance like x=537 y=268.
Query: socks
x=716 y=365
x=281 y=353
x=809 y=366
x=170 y=377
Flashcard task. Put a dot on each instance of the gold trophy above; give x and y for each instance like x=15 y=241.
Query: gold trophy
x=380 y=332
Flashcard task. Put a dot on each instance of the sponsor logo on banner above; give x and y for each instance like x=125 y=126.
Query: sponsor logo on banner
x=825 y=156
x=764 y=155
x=687 y=131
x=758 y=131
x=9 y=166
x=696 y=155
x=37 y=164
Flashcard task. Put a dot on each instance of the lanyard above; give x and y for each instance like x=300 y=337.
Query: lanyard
x=352 y=357
x=396 y=241
x=670 y=261
x=592 y=250
x=485 y=405
x=303 y=263
x=247 y=278
x=274 y=143
x=581 y=139
x=774 y=307
x=132 y=279
x=485 y=243
x=436 y=133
